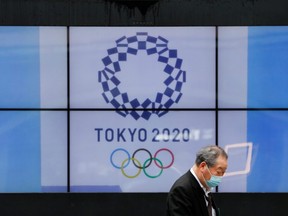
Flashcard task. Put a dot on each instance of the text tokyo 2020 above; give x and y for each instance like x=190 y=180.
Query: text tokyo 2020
x=143 y=135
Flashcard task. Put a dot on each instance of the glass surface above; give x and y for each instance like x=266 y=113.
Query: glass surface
x=102 y=142
x=253 y=67
x=256 y=142
x=33 y=151
x=33 y=67
x=142 y=67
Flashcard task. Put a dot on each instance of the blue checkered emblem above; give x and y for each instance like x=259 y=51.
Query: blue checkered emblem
x=142 y=42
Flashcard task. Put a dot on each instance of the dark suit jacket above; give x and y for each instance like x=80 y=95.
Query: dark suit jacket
x=187 y=198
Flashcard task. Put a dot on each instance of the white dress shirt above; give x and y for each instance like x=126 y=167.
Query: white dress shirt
x=205 y=191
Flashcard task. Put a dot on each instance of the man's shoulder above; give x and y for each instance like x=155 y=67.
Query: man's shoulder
x=187 y=180
x=186 y=186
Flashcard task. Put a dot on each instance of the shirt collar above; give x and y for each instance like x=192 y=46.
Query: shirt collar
x=204 y=189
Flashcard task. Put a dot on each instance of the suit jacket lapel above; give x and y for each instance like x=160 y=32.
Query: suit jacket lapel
x=201 y=193
x=214 y=205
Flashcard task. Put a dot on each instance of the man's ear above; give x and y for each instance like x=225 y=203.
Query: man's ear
x=202 y=166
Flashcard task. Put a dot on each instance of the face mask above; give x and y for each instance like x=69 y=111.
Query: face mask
x=214 y=180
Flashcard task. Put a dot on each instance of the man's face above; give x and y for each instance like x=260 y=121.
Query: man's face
x=218 y=169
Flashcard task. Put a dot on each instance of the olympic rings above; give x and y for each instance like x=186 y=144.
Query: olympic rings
x=122 y=168
x=172 y=156
x=111 y=156
x=150 y=158
x=137 y=163
x=155 y=159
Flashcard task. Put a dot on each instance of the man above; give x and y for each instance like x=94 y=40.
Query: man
x=190 y=194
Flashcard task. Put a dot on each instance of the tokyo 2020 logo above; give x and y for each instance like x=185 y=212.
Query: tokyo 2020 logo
x=147 y=162
x=173 y=83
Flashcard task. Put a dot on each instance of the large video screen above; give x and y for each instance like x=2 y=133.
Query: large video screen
x=125 y=109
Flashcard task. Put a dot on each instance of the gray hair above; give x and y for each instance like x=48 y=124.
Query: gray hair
x=209 y=155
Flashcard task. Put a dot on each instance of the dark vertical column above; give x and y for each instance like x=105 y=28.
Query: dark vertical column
x=216 y=88
x=68 y=109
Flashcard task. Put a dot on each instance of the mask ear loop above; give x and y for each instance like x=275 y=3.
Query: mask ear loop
x=204 y=177
x=209 y=170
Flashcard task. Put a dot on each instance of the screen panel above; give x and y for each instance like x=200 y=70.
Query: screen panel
x=102 y=143
x=256 y=144
x=150 y=67
x=33 y=63
x=252 y=67
x=33 y=151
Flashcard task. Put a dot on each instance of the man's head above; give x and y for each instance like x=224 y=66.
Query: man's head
x=211 y=162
